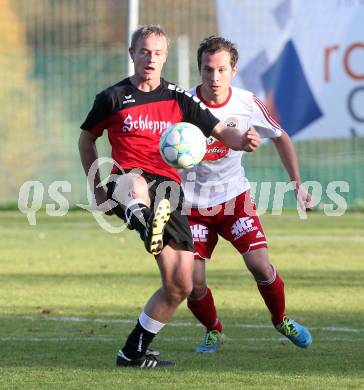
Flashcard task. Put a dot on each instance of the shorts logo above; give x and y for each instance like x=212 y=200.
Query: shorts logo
x=199 y=233
x=259 y=234
x=242 y=226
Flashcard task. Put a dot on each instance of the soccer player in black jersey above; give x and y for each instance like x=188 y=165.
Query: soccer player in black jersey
x=135 y=113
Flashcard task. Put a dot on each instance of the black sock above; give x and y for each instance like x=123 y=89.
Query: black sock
x=137 y=216
x=137 y=343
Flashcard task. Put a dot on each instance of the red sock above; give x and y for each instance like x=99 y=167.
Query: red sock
x=205 y=311
x=273 y=295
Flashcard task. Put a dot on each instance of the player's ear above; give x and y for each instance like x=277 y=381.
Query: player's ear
x=131 y=53
x=234 y=70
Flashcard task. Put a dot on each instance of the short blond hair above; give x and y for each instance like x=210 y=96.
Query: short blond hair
x=145 y=31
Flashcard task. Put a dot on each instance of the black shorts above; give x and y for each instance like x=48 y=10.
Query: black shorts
x=177 y=228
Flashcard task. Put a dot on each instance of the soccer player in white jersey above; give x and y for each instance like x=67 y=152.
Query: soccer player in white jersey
x=221 y=204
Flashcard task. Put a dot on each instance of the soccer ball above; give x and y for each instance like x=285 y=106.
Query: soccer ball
x=182 y=145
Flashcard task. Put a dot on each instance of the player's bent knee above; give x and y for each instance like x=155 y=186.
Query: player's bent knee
x=262 y=273
x=184 y=290
x=175 y=298
x=178 y=293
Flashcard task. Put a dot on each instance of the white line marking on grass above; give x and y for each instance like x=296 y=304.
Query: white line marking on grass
x=318 y=237
x=55 y=339
x=80 y=319
x=164 y=339
x=335 y=329
x=178 y=324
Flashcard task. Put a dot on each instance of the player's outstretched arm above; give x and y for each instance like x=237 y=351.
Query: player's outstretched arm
x=288 y=156
x=235 y=139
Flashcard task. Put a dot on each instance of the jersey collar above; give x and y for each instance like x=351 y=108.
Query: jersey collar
x=198 y=93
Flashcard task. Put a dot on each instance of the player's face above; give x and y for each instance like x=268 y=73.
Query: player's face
x=216 y=74
x=149 y=56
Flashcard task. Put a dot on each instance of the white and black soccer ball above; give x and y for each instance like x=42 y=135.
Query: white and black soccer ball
x=182 y=145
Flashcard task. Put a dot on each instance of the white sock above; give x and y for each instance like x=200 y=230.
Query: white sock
x=129 y=210
x=152 y=326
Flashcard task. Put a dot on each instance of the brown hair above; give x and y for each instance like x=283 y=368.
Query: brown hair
x=214 y=44
x=145 y=31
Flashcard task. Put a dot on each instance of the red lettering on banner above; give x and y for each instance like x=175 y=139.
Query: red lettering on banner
x=328 y=51
x=346 y=60
x=347 y=67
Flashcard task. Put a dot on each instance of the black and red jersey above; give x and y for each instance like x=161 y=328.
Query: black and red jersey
x=135 y=121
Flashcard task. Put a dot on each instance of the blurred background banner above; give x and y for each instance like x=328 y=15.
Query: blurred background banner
x=55 y=55
x=305 y=59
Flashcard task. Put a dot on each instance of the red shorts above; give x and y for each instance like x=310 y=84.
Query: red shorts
x=235 y=220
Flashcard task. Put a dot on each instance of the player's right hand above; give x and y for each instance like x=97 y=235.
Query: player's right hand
x=102 y=203
x=304 y=198
x=251 y=140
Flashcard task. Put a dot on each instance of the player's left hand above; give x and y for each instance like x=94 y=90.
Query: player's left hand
x=304 y=199
x=251 y=140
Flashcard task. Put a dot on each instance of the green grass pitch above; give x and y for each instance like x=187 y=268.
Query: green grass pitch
x=71 y=292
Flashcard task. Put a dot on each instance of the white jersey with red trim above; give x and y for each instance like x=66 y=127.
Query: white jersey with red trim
x=220 y=175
